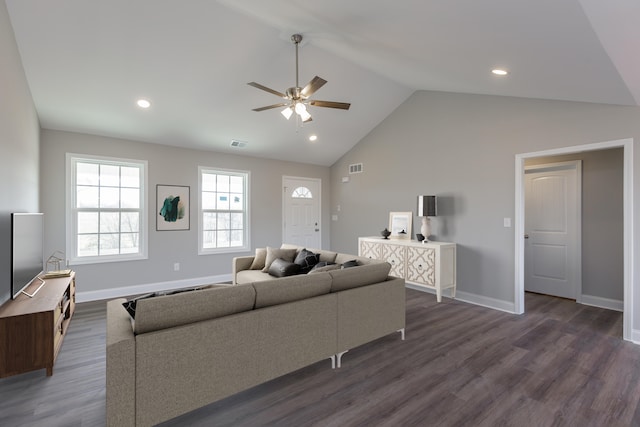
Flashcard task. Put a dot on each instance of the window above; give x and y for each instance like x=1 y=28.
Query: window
x=106 y=209
x=302 y=193
x=224 y=224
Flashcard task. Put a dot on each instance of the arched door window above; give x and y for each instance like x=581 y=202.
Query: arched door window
x=302 y=193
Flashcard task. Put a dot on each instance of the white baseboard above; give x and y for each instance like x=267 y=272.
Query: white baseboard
x=635 y=336
x=480 y=300
x=149 y=287
x=607 y=303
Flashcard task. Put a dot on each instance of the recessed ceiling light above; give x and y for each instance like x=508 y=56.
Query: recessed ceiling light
x=499 y=72
x=313 y=137
x=143 y=103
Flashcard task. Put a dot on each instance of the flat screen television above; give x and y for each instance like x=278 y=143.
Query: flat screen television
x=27 y=253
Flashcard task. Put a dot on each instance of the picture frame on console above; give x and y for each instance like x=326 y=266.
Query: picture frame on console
x=400 y=225
x=172 y=207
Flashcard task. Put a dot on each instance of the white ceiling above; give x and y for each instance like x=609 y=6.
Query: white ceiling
x=87 y=61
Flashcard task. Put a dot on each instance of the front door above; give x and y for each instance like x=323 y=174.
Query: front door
x=301 y=207
x=552 y=229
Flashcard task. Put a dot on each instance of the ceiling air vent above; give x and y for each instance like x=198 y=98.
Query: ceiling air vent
x=238 y=144
x=355 y=168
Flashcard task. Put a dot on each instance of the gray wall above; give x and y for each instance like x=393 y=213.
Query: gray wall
x=19 y=144
x=173 y=166
x=602 y=214
x=462 y=148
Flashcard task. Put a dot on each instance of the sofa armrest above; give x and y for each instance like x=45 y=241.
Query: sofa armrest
x=121 y=366
x=241 y=263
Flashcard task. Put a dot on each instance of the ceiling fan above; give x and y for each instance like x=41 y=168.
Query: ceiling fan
x=297 y=97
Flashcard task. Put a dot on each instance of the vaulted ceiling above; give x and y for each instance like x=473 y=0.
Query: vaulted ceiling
x=88 y=61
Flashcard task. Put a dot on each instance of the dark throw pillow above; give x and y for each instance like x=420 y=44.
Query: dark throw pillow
x=282 y=268
x=306 y=260
x=324 y=266
x=352 y=263
x=130 y=305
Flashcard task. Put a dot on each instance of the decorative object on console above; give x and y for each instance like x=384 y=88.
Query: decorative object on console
x=56 y=261
x=426 y=209
x=385 y=233
x=419 y=237
x=172 y=208
x=400 y=225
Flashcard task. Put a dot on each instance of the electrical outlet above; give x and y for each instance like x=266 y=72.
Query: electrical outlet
x=176 y=266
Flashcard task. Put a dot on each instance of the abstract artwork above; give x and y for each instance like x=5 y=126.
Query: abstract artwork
x=400 y=225
x=172 y=208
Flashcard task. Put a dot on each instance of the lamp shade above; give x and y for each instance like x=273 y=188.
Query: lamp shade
x=427 y=206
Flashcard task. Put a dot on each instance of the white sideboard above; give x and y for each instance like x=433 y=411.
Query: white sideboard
x=430 y=265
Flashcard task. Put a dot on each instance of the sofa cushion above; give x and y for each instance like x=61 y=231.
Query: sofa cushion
x=282 y=268
x=166 y=311
x=275 y=253
x=362 y=275
x=250 y=276
x=131 y=304
x=259 y=259
x=306 y=260
x=292 y=288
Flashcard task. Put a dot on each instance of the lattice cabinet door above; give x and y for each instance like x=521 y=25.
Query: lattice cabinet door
x=421 y=265
x=371 y=250
x=395 y=255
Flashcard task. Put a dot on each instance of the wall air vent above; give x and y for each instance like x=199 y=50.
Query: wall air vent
x=238 y=144
x=355 y=168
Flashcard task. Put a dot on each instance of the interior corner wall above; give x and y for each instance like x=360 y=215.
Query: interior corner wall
x=19 y=139
x=602 y=220
x=462 y=147
x=169 y=166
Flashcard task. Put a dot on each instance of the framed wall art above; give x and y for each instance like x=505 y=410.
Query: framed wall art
x=400 y=225
x=172 y=207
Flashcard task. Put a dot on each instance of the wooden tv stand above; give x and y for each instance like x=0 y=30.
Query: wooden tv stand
x=32 y=329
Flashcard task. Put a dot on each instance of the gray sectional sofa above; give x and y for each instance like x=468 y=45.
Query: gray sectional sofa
x=190 y=349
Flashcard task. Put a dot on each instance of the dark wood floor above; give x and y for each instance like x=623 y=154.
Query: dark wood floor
x=560 y=364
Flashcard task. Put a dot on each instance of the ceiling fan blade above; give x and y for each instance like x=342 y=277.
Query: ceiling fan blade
x=266 y=89
x=268 y=107
x=331 y=104
x=315 y=84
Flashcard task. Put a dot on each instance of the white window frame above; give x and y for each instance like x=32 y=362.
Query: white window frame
x=247 y=210
x=71 y=218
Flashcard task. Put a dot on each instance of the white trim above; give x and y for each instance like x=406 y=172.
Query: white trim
x=628 y=315
x=635 y=336
x=475 y=299
x=126 y=291
x=609 y=304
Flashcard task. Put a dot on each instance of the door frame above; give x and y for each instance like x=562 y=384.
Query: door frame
x=284 y=204
x=575 y=165
x=627 y=145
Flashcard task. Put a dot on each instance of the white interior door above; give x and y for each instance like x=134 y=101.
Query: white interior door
x=552 y=229
x=301 y=207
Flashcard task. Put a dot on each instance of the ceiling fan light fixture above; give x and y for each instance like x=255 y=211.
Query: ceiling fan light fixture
x=305 y=116
x=301 y=108
x=287 y=112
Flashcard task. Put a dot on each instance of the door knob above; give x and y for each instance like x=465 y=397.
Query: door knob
x=526 y=236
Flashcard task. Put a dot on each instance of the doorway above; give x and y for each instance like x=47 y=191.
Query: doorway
x=301 y=211
x=628 y=199
x=553 y=213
